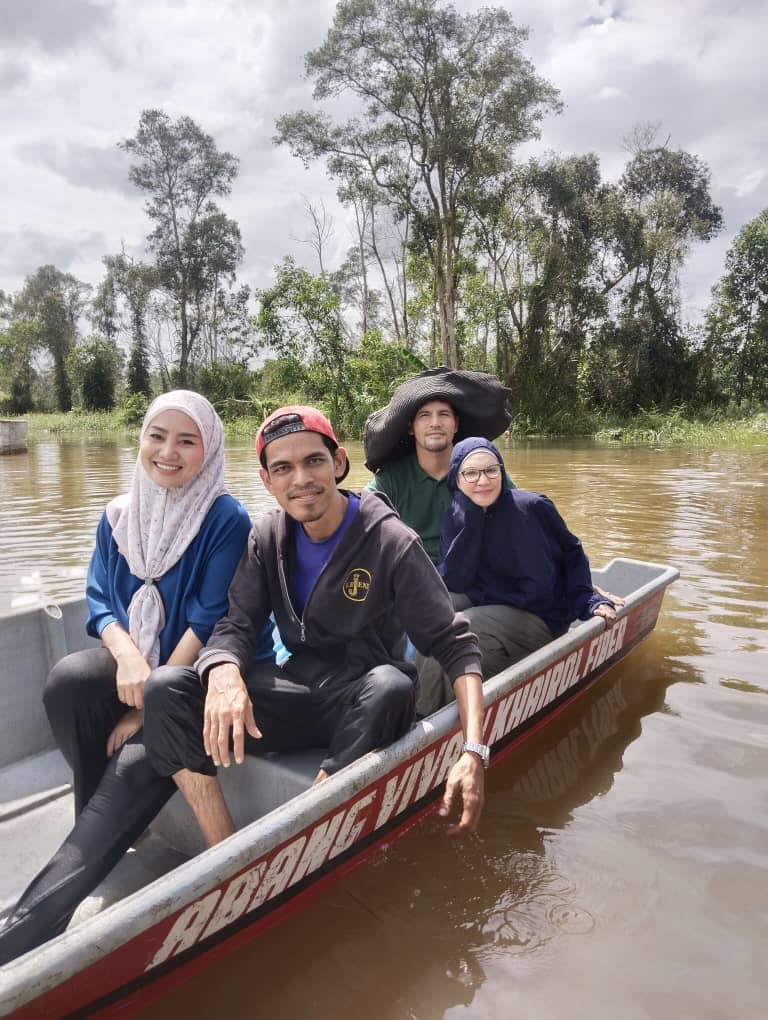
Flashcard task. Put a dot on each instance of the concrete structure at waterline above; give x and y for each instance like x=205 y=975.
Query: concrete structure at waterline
x=13 y=436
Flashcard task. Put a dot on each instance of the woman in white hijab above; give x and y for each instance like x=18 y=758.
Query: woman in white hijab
x=165 y=554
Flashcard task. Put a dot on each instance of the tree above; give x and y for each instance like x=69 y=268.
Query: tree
x=300 y=319
x=228 y=386
x=445 y=99
x=544 y=230
x=134 y=282
x=104 y=311
x=94 y=367
x=228 y=333
x=667 y=208
x=19 y=342
x=55 y=300
x=670 y=191
x=737 y=321
x=179 y=168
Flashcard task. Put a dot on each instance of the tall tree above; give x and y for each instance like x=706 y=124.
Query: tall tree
x=94 y=366
x=134 y=282
x=55 y=300
x=19 y=342
x=737 y=321
x=669 y=189
x=180 y=169
x=667 y=208
x=543 y=229
x=445 y=98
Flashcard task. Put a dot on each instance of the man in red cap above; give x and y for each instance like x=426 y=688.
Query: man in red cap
x=340 y=572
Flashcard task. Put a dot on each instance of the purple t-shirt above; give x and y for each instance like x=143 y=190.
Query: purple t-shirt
x=311 y=556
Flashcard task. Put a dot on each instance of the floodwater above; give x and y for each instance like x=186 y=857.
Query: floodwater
x=621 y=867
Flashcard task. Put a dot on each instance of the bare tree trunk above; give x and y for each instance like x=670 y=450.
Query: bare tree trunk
x=385 y=278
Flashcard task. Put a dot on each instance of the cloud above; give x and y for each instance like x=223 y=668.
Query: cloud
x=25 y=250
x=53 y=25
x=235 y=65
x=12 y=73
x=81 y=165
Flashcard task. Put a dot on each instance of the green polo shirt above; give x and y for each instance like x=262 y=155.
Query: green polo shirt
x=420 y=499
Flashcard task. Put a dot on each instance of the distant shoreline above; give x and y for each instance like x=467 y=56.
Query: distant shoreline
x=647 y=428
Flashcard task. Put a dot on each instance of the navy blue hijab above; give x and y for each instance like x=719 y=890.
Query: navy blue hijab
x=516 y=552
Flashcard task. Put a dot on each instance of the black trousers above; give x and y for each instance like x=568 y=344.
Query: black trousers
x=117 y=798
x=350 y=718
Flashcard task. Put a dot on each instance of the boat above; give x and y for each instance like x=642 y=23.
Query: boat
x=171 y=907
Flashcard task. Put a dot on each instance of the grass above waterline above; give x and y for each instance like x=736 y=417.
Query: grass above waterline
x=647 y=427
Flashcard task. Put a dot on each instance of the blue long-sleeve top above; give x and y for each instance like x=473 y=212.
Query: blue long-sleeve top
x=194 y=590
x=517 y=552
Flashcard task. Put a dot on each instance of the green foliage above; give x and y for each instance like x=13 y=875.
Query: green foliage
x=300 y=319
x=94 y=367
x=736 y=344
x=19 y=399
x=55 y=301
x=138 y=379
x=228 y=386
x=133 y=410
x=18 y=345
x=279 y=379
x=708 y=427
x=374 y=370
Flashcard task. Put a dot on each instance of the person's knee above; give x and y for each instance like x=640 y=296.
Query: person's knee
x=165 y=685
x=395 y=692
x=61 y=689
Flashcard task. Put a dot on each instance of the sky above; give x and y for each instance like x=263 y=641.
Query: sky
x=76 y=74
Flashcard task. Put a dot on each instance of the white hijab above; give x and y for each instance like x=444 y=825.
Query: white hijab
x=156 y=525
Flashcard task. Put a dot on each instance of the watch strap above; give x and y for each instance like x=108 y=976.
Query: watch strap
x=483 y=751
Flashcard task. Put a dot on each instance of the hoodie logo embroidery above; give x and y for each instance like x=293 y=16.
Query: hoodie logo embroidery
x=357 y=585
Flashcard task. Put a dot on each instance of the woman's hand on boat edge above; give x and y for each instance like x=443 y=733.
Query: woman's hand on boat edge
x=464 y=792
x=617 y=600
x=607 y=612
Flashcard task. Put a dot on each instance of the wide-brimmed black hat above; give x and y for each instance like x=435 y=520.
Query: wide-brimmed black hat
x=478 y=398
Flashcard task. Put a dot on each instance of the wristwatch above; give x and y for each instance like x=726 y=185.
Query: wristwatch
x=482 y=750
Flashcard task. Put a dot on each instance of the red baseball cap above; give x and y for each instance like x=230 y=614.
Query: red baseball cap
x=295 y=418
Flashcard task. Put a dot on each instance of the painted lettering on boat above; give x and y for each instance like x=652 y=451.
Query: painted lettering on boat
x=311 y=849
x=543 y=688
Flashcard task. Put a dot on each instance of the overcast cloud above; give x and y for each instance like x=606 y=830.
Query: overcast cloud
x=75 y=76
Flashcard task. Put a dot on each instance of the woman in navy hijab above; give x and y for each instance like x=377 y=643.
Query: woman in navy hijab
x=511 y=564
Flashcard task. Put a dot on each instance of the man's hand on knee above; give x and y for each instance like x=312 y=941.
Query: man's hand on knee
x=228 y=709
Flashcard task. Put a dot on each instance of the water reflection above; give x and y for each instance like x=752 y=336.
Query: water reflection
x=414 y=933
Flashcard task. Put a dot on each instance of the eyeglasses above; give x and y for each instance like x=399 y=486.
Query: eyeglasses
x=472 y=475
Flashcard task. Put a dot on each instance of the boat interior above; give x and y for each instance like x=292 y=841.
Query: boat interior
x=36 y=803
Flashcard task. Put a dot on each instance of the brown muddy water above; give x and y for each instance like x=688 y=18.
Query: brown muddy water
x=621 y=867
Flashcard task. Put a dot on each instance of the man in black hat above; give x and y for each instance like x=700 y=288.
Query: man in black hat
x=408 y=443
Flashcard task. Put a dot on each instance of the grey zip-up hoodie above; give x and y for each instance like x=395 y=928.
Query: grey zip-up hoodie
x=378 y=584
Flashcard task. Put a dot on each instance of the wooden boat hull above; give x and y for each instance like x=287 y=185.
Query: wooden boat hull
x=138 y=948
